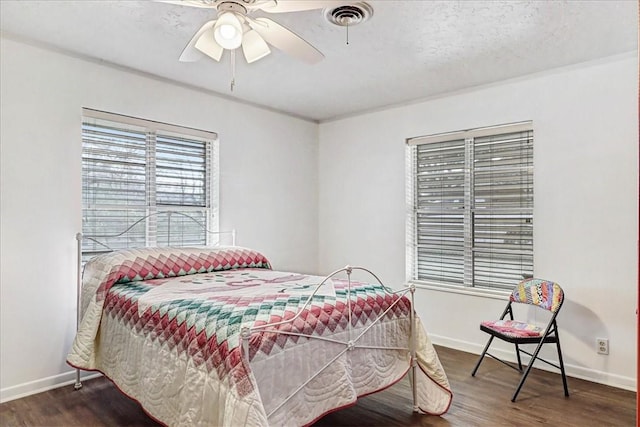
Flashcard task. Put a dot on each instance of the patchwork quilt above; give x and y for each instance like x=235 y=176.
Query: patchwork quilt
x=164 y=324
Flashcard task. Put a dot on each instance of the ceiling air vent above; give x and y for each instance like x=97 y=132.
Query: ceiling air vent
x=349 y=15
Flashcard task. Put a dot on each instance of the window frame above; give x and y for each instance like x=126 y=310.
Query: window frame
x=468 y=285
x=207 y=213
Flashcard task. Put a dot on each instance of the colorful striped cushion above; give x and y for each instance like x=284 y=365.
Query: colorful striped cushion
x=513 y=328
x=542 y=293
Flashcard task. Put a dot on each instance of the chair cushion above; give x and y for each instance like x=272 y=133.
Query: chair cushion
x=542 y=293
x=513 y=328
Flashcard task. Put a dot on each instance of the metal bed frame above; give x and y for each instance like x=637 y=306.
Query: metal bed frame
x=350 y=344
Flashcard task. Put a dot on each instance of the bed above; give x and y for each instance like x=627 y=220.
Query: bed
x=213 y=336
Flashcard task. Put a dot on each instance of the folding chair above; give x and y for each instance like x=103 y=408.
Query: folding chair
x=540 y=293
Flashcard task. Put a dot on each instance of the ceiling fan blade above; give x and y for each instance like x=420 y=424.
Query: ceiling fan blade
x=284 y=6
x=254 y=47
x=285 y=40
x=192 y=3
x=207 y=44
x=190 y=53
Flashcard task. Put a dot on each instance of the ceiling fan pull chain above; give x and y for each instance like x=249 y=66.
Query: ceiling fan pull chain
x=347 y=33
x=233 y=69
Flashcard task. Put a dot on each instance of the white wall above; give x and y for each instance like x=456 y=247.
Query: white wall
x=268 y=189
x=586 y=203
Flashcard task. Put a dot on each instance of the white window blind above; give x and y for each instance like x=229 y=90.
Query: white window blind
x=148 y=176
x=471 y=207
x=440 y=211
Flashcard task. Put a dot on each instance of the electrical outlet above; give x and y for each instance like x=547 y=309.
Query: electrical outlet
x=602 y=345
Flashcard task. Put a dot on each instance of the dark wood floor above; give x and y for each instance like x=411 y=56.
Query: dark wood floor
x=480 y=401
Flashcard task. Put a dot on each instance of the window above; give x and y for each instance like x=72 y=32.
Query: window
x=153 y=178
x=470 y=221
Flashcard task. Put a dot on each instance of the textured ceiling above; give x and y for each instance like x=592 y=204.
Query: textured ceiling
x=408 y=50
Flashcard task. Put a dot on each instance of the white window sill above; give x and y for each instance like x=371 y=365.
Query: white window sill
x=464 y=290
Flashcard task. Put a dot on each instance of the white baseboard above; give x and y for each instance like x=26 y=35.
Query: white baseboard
x=43 y=384
x=613 y=380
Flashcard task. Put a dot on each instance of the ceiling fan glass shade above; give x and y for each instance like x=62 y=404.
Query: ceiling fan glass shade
x=254 y=47
x=190 y=53
x=228 y=31
x=207 y=44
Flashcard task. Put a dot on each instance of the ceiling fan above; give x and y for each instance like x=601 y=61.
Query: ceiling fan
x=234 y=28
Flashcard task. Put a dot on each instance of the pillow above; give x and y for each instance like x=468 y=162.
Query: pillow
x=131 y=265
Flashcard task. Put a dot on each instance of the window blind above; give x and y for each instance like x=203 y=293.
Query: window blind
x=503 y=209
x=182 y=228
x=130 y=171
x=181 y=172
x=440 y=176
x=472 y=206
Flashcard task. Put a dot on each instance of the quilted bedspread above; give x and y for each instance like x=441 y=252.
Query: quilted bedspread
x=165 y=325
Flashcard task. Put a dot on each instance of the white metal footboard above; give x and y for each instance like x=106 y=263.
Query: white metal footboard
x=352 y=341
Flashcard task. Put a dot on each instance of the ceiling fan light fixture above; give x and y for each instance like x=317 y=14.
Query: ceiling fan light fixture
x=207 y=44
x=228 y=31
x=254 y=47
x=234 y=27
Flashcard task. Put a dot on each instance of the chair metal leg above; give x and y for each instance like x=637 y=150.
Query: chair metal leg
x=473 y=374
x=564 y=376
x=519 y=359
x=534 y=356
